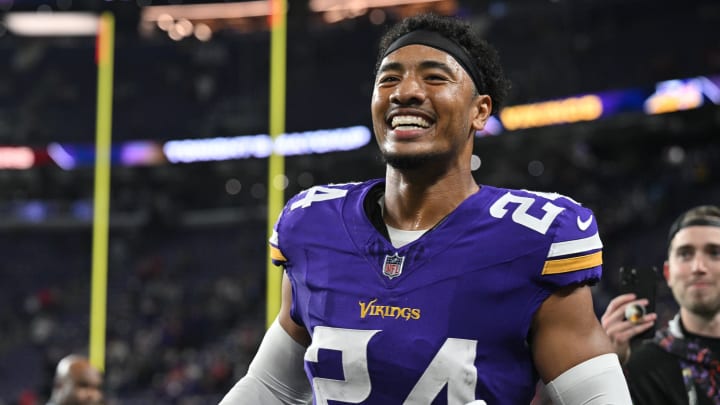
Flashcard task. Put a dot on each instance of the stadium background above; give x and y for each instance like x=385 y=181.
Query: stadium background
x=186 y=291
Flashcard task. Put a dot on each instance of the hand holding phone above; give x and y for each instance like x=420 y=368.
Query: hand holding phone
x=643 y=282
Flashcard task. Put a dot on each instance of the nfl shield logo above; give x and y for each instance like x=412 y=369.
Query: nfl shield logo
x=393 y=265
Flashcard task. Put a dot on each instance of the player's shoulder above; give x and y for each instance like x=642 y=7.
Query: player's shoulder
x=321 y=203
x=333 y=193
x=524 y=196
x=312 y=211
x=548 y=213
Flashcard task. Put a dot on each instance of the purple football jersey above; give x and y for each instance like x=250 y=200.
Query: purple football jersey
x=442 y=320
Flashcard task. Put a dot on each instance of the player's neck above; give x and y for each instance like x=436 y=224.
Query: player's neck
x=700 y=325
x=411 y=204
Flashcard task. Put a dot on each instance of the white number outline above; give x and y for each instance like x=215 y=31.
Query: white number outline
x=352 y=343
x=521 y=216
x=317 y=194
x=453 y=366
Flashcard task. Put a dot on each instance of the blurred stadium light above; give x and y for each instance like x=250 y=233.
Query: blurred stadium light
x=181 y=20
x=337 y=10
x=52 y=24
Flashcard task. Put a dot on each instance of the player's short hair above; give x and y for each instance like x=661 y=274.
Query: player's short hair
x=483 y=54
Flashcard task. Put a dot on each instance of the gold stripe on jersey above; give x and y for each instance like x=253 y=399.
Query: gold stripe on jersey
x=276 y=254
x=572 y=264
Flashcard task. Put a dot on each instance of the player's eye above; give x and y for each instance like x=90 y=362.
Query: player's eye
x=433 y=77
x=387 y=79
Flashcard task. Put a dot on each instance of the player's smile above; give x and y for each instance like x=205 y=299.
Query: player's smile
x=407 y=123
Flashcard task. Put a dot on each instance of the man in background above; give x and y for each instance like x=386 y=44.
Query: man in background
x=77 y=382
x=680 y=365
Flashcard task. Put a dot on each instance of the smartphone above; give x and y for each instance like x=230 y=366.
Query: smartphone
x=643 y=282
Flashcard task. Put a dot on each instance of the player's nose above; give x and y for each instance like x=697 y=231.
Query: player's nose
x=409 y=91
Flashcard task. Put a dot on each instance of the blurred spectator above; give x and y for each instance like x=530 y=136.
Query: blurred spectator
x=77 y=382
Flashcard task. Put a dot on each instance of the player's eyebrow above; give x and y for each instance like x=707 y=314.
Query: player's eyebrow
x=424 y=65
x=390 y=66
x=433 y=64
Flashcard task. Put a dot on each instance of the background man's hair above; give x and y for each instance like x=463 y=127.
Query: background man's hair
x=485 y=56
x=700 y=215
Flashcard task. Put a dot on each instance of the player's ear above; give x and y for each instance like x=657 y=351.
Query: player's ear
x=481 y=111
x=666 y=270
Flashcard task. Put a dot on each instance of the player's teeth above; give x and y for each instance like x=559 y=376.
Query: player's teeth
x=409 y=120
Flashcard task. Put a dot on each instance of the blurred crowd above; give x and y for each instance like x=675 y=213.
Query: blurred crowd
x=184 y=312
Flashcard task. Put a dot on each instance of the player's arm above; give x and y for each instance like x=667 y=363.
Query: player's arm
x=276 y=375
x=297 y=332
x=572 y=353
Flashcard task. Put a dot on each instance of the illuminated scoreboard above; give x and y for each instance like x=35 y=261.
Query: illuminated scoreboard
x=667 y=96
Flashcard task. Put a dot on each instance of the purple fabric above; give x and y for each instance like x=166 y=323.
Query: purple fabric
x=473 y=277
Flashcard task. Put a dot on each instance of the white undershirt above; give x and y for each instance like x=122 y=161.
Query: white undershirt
x=400 y=238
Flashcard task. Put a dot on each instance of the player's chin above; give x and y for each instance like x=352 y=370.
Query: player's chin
x=409 y=161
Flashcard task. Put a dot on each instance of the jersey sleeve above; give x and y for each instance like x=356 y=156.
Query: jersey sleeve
x=307 y=224
x=303 y=217
x=276 y=253
x=575 y=252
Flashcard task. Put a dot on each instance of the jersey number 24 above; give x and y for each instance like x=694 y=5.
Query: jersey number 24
x=453 y=365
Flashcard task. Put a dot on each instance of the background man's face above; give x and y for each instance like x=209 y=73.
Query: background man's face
x=693 y=269
x=83 y=386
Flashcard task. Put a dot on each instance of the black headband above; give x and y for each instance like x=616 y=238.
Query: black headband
x=438 y=41
x=680 y=224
